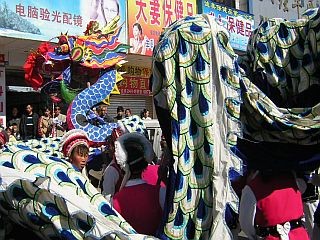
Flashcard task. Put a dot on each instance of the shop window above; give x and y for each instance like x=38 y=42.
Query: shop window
x=243 y=5
x=229 y=3
x=238 y=4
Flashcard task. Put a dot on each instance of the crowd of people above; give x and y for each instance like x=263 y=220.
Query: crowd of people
x=53 y=123
x=127 y=165
x=273 y=204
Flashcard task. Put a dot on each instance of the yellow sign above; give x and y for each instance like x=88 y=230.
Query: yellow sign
x=147 y=18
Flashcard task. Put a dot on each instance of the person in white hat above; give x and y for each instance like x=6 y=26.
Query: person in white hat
x=139 y=202
x=113 y=174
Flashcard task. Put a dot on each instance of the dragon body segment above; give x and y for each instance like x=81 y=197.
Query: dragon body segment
x=202 y=105
x=88 y=98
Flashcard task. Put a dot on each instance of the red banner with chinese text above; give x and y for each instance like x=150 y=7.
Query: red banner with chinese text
x=147 y=18
x=136 y=81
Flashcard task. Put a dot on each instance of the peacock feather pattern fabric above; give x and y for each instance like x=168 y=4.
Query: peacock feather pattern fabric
x=49 y=146
x=196 y=79
x=281 y=87
x=47 y=195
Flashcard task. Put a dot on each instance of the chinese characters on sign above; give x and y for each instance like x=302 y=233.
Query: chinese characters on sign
x=284 y=4
x=135 y=82
x=239 y=24
x=147 y=18
x=42 y=20
x=45 y=14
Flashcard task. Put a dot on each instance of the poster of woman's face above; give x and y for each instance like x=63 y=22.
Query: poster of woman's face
x=104 y=11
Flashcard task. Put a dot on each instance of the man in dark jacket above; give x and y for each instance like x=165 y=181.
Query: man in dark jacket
x=103 y=113
x=29 y=124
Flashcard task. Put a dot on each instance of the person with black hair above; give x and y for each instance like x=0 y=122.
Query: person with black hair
x=120 y=112
x=145 y=114
x=29 y=124
x=14 y=117
x=127 y=113
x=75 y=146
x=139 y=202
x=59 y=122
x=45 y=124
x=103 y=113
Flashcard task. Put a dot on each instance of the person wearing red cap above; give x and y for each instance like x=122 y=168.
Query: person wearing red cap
x=75 y=147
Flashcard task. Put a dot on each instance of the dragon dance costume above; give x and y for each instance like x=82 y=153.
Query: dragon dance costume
x=201 y=85
x=215 y=111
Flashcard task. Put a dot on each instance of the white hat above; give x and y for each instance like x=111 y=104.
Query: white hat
x=144 y=152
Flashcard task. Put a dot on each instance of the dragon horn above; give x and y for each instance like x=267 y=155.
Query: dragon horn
x=111 y=26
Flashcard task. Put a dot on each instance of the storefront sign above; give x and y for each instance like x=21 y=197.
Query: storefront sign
x=136 y=81
x=2 y=96
x=148 y=17
x=42 y=20
x=238 y=23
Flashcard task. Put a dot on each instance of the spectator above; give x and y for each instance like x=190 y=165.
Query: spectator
x=127 y=113
x=103 y=113
x=9 y=131
x=94 y=118
x=14 y=117
x=15 y=131
x=59 y=122
x=29 y=124
x=137 y=201
x=145 y=114
x=45 y=124
x=75 y=147
x=120 y=112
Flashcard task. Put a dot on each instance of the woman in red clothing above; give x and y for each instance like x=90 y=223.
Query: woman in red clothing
x=271 y=207
x=137 y=201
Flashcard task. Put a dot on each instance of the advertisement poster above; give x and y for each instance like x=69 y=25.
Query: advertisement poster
x=136 y=81
x=239 y=24
x=147 y=18
x=43 y=20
